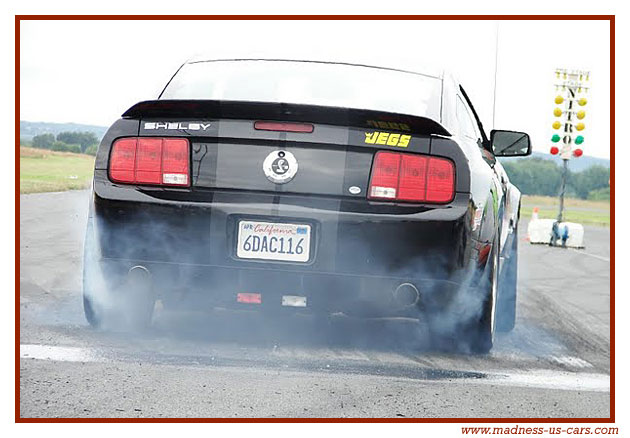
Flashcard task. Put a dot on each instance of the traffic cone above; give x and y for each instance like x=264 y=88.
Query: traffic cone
x=535 y=214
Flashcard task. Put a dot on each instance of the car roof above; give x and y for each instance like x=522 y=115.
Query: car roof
x=433 y=73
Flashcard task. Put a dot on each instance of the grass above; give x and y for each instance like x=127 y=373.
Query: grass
x=575 y=210
x=42 y=170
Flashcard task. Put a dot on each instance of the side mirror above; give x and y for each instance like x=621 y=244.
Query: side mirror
x=510 y=143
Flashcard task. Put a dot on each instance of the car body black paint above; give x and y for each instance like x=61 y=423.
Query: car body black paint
x=361 y=249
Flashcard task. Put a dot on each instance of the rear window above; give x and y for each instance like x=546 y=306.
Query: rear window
x=310 y=83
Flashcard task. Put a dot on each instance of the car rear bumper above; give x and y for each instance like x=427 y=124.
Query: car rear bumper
x=361 y=252
x=203 y=287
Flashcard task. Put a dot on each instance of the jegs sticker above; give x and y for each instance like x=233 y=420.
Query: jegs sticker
x=387 y=138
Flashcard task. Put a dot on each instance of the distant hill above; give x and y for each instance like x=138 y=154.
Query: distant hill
x=575 y=164
x=30 y=129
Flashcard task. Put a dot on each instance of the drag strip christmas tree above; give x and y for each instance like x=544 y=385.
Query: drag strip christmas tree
x=568 y=125
x=569 y=112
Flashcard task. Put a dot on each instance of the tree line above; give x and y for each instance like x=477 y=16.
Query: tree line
x=536 y=176
x=78 y=142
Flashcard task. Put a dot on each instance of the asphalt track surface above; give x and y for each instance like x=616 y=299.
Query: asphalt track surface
x=239 y=364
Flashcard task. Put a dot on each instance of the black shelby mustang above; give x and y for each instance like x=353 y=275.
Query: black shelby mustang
x=320 y=187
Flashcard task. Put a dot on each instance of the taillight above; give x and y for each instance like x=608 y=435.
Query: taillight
x=175 y=159
x=412 y=182
x=385 y=173
x=122 y=163
x=412 y=178
x=284 y=127
x=440 y=180
x=150 y=160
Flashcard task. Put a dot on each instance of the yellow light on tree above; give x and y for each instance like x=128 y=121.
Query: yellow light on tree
x=557 y=112
x=580 y=126
x=581 y=114
x=557 y=125
x=582 y=101
x=559 y=99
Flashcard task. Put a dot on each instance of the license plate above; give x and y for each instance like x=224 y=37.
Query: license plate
x=273 y=241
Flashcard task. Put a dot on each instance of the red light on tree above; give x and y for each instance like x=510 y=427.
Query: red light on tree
x=554 y=150
x=577 y=153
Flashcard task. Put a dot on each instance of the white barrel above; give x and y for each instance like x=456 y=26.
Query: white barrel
x=539 y=231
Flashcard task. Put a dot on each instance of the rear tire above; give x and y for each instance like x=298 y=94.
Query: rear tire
x=455 y=329
x=93 y=312
x=479 y=333
x=119 y=304
x=506 y=305
x=90 y=312
x=113 y=301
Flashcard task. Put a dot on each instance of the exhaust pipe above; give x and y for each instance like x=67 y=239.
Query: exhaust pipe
x=139 y=304
x=139 y=276
x=406 y=294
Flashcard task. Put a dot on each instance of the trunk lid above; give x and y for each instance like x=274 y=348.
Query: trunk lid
x=335 y=159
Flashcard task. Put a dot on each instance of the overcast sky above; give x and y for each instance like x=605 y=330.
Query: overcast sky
x=91 y=72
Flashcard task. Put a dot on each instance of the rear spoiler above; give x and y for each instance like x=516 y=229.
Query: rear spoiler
x=221 y=109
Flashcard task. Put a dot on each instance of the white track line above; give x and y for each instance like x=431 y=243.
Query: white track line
x=534 y=378
x=571 y=361
x=606 y=259
x=59 y=354
x=563 y=380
